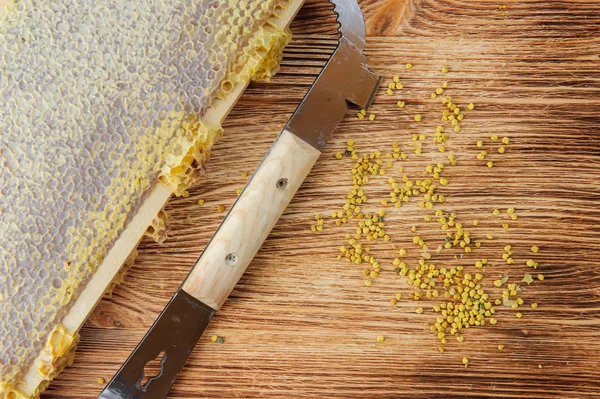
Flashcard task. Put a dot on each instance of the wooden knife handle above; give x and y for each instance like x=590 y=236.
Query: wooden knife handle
x=250 y=220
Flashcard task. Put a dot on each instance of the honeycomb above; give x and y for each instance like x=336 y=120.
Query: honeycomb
x=101 y=101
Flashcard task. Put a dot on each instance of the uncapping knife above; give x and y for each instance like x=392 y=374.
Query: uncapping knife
x=345 y=78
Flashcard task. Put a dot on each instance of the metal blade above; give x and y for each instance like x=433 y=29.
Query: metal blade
x=352 y=22
x=345 y=78
x=174 y=334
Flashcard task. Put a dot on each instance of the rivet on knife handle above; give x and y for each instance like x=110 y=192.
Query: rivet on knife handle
x=174 y=334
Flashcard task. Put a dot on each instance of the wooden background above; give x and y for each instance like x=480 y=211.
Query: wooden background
x=301 y=324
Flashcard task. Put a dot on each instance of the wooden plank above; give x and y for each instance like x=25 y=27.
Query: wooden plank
x=301 y=324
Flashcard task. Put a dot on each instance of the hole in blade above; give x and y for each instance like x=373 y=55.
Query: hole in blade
x=153 y=369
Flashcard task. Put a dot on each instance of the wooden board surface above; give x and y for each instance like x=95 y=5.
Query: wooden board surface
x=301 y=324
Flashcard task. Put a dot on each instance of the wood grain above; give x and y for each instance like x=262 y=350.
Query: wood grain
x=301 y=324
x=251 y=219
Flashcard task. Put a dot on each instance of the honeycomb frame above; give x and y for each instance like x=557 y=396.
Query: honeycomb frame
x=200 y=130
